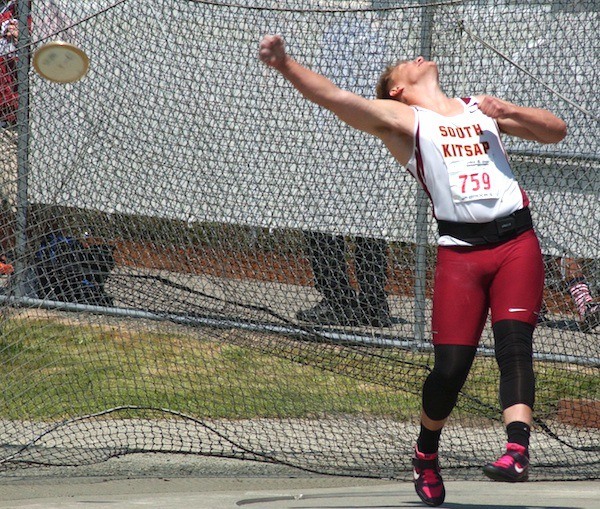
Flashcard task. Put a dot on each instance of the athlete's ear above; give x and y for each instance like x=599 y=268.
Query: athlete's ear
x=396 y=92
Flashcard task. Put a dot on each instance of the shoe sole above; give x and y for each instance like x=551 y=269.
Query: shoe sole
x=432 y=503
x=496 y=474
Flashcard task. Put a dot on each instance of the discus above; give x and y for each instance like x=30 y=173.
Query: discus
x=60 y=62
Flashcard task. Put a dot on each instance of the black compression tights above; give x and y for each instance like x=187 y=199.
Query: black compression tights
x=513 y=341
x=514 y=353
x=450 y=370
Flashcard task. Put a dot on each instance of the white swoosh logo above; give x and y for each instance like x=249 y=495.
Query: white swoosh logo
x=516 y=310
x=416 y=475
x=519 y=469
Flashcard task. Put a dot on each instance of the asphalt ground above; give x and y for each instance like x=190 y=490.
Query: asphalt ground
x=159 y=481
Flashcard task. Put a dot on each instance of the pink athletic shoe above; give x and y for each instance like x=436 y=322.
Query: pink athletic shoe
x=512 y=466
x=428 y=481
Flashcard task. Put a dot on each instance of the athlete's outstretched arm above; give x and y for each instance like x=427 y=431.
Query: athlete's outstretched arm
x=528 y=123
x=374 y=116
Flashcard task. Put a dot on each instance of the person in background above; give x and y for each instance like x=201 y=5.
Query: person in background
x=345 y=42
x=9 y=103
x=578 y=287
x=9 y=33
x=340 y=303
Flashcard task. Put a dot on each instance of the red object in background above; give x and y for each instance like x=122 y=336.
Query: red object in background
x=6 y=269
x=9 y=100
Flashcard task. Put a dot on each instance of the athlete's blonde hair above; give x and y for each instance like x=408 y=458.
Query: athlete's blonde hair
x=382 y=90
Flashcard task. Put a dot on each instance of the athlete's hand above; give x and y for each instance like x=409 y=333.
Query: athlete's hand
x=272 y=50
x=496 y=108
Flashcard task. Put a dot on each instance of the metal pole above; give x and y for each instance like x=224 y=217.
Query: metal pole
x=23 y=50
x=422 y=207
x=340 y=337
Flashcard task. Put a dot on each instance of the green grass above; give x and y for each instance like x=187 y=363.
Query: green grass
x=51 y=371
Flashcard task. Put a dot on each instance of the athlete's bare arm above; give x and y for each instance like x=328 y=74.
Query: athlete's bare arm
x=528 y=123
x=389 y=120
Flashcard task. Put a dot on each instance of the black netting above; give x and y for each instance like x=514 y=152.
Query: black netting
x=170 y=221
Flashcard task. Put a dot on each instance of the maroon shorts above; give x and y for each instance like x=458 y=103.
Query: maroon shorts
x=506 y=278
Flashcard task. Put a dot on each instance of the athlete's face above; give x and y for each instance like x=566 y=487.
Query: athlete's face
x=411 y=72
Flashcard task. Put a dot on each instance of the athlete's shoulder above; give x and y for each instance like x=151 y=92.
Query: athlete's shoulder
x=395 y=115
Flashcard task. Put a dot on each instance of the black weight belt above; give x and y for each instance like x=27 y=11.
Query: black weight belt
x=498 y=230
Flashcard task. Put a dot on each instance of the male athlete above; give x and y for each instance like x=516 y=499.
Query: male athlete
x=488 y=255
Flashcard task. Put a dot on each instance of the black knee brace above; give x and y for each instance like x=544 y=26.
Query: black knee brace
x=514 y=353
x=450 y=370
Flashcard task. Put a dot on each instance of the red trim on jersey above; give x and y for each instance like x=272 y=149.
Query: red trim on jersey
x=524 y=197
x=421 y=167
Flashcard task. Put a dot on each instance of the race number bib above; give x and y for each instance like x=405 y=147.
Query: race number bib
x=472 y=182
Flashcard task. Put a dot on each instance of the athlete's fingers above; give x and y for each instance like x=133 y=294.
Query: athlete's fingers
x=271 y=49
x=494 y=107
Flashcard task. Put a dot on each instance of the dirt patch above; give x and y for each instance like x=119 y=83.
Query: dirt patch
x=270 y=266
x=582 y=413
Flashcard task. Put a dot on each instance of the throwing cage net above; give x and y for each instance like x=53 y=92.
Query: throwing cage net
x=174 y=223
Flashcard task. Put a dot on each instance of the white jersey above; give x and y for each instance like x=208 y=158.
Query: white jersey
x=462 y=165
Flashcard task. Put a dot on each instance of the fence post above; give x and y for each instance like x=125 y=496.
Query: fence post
x=23 y=56
x=422 y=202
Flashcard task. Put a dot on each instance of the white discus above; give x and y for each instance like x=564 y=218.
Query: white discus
x=61 y=62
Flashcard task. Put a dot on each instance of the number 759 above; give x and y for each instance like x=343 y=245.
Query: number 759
x=474 y=182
